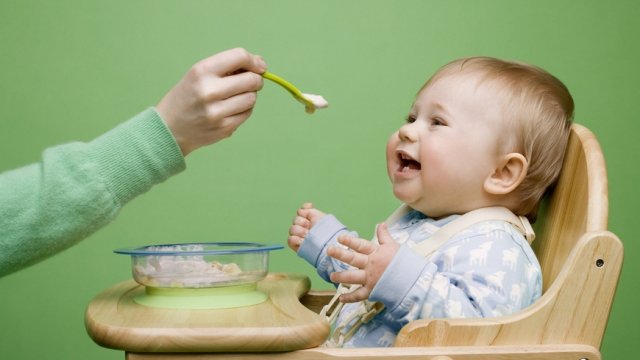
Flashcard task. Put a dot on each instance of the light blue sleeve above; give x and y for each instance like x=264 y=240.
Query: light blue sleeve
x=314 y=247
x=478 y=273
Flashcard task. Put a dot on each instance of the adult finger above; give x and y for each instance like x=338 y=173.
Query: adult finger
x=229 y=61
x=214 y=88
x=227 y=108
x=223 y=128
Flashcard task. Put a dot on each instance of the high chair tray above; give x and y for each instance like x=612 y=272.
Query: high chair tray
x=281 y=323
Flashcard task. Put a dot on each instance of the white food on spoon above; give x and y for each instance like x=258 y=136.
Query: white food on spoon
x=317 y=100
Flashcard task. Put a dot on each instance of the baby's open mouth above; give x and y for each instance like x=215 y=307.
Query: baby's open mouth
x=406 y=162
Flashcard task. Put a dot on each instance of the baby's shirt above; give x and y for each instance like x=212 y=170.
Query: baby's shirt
x=487 y=270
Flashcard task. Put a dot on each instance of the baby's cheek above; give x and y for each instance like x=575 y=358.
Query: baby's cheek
x=391 y=153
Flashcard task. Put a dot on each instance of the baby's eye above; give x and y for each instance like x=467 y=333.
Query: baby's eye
x=437 y=122
x=411 y=119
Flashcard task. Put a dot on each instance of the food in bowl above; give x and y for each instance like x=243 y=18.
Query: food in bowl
x=199 y=265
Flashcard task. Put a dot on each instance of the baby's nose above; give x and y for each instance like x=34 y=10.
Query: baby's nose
x=408 y=133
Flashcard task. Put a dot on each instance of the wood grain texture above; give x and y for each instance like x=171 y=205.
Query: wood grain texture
x=281 y=323
x=565 y=352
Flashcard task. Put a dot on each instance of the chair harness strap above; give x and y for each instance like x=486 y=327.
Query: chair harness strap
x=368 y=309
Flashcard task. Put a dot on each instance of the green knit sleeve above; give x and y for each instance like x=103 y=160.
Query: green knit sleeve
x=78 y=188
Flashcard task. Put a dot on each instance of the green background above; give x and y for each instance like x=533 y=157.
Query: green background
x=71 y=70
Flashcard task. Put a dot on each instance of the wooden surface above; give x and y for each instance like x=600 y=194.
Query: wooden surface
x=281 y=323
x=579 y=204
x=564 y=352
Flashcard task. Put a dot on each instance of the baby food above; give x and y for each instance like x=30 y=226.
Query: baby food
x=317 y=100
x=183 y=271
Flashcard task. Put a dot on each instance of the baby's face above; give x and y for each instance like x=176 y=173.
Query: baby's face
x=438 y=161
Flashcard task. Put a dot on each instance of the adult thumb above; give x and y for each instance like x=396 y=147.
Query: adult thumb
x=383 y=234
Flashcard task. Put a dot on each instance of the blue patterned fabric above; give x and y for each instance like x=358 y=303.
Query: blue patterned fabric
x=487 y=270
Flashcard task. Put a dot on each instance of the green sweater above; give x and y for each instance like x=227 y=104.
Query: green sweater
x=78 y=188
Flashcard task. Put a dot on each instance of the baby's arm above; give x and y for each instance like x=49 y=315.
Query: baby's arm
x=466 y=278
x=310 y=234
x=306 y=217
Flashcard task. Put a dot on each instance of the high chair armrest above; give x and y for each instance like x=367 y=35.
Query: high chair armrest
x=315 y=300
x=573 y=310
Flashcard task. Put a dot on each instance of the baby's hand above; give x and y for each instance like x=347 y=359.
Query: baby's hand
x=306 y=217
x=370 y=260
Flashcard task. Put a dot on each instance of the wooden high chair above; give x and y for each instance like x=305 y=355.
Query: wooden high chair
x=581 y=263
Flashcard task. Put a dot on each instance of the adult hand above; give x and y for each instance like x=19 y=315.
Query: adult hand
x=215 y=97
x=369 y=259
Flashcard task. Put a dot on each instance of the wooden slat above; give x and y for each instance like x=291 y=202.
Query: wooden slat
x=549 y=352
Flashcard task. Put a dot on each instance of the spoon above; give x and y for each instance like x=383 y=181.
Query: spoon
x=311 y=102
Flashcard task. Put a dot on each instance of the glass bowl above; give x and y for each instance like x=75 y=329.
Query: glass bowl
x=199 y=265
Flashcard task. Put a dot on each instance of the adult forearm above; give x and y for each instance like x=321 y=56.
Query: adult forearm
x=79 y=187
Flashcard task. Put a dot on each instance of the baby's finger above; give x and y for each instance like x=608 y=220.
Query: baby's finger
x=355 y=276
x=306 y=213
x=349 y=257
x=383 y=234
x=297 y=230
x=359 y=245
x=359 y=294
x=295 y=242
x=301 y=221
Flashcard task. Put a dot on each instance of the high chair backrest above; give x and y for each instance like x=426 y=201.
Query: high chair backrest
x=577 y=205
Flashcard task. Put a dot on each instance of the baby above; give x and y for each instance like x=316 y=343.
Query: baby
x=481 y=133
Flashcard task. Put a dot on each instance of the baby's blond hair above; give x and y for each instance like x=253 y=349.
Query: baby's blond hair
x=538 y=110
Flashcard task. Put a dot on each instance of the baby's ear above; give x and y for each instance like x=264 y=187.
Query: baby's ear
x=509 y=173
